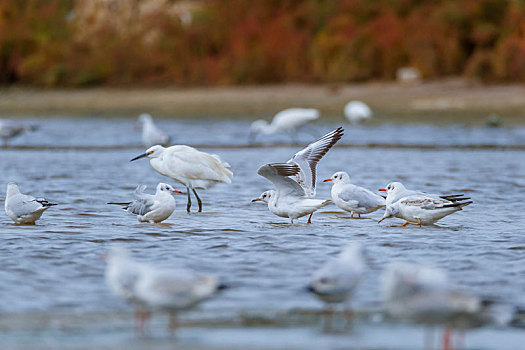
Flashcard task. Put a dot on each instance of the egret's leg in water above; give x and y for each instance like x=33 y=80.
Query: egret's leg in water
x=198 y=200
x=188 y=205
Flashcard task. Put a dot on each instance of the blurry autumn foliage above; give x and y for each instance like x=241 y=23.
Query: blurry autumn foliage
x=196 y=42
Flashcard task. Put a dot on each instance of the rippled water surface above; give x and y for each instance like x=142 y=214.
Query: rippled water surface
x=52 y=290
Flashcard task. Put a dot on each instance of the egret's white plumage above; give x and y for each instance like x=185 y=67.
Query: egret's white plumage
x=10 y=129
x=151 y=208
x=423 y=210
x=357 y=112
x=192 y=168
x=151 y=134
x=23 y=208
x=337 y=279
x=291 y=196
x=352 y=198
x=288 y=120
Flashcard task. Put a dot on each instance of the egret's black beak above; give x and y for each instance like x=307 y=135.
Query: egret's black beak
x=140 y=156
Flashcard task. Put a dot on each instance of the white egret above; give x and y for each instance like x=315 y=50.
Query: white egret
x=357 y=112
x=288 y=121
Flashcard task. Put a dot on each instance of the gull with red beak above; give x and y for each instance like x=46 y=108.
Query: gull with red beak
x=151 y=208
x=295 y=180
x=354 y=199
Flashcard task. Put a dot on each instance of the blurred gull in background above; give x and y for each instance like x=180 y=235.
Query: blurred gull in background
x=188 y=166
x=151 y=135
x=23 y=208
x=288 y=121
x=151 y=208
x=357 y=112
x=352 y=198
x=291 y=196
x=10 y=129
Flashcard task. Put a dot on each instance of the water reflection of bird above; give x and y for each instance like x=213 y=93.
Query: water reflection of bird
x=188 y=166
x=23 y=208
x=10 y=129
x=153 y=288
x=424 y=295
x=291 y=196
x=151 y=208
x=288 y=121
x=336 y=281
x=151 y=134
x=357 y=112
x=352 y=198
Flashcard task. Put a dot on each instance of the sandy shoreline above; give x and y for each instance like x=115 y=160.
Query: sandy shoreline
x=444 y=101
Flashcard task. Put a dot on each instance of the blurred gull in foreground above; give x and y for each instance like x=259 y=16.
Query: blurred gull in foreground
x=336 y=281
x=151 y=208
x=424 y=295
x=357 y=112
x=288 y=120
x=151 y=135
x=152 y=288
x=352 y=198
x=23 y=208
x=10 y=129
x=291 y=196
x=188 y=166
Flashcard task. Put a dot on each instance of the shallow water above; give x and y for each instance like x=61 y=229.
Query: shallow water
x=53 y=293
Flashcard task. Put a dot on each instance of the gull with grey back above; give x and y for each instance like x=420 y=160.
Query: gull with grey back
x=23 y=208
x=295 y=180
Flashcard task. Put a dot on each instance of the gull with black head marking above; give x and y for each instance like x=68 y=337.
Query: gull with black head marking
x=186 y=165
x=151 y=208
x=295 y=180
x=23 y=208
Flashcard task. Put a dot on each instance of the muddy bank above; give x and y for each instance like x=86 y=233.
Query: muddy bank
x=445 y=101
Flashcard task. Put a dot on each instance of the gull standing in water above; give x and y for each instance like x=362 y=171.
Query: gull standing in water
x=151 y=134
x=423 y=210
x=291 y=196
x=288 y=120
x=152 y=288
x=352 y=198
x=10 y=129
x=396 y=190
x=425 y=295
x=23 y=208
x=357 y=112
x=189 y=167
x=151 y=208
x=336 y=281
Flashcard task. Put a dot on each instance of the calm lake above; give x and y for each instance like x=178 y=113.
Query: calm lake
x=52 y=289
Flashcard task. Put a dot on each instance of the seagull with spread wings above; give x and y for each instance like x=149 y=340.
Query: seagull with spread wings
x=295 y=180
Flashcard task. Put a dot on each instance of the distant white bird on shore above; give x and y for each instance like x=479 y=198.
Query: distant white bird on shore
x=291 y=196
x=151 y=134
x=357 y=112
x=288 y=121
x=423 y=210
x=352 y=198
x=152 y=288
x=151 y=208
x=189 y=167
x=10 y=129
x=337 y=279
x=23 y=208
